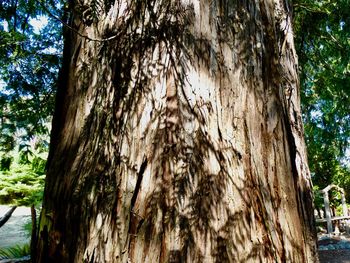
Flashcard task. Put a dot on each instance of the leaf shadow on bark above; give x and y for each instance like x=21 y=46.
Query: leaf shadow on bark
x=190 y=200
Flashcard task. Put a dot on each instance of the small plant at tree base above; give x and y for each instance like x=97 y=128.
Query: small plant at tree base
x=18 y=251
x=23 y=182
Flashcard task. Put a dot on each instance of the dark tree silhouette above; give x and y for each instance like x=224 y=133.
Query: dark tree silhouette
x=7 y=216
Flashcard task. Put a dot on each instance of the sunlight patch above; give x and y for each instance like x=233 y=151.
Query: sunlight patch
x=38 y=23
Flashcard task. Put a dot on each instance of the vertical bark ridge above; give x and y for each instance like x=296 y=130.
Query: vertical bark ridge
x=180 y=139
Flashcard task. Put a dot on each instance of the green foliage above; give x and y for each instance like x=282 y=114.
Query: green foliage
x=318 y=197
x=5 y=163
x=23 y=184
x=341 y=177
x=22 y=187
x=28 y=228
x=339 y=210
x=322 y=40
x=15 y=252
x=38 y=165
x=29 y=63
x=30 y=57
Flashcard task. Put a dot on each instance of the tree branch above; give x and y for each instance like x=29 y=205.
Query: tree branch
x=73 y=29
x=7 y=216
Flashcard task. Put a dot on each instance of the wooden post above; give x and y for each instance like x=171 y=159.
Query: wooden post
x=328 y=212
x=345 y=209
x=345 y=212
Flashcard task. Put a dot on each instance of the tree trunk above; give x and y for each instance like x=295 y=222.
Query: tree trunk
x=7 y=216
x=177 y=137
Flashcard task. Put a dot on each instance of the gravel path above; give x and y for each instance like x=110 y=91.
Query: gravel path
x=334 y=256
x=13 y=232
x=331 y=250
x=335 y=249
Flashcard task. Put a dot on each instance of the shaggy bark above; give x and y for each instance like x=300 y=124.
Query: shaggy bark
x=177 y=137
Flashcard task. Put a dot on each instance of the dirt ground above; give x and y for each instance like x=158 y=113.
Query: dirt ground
x=334 y=256
x=13 y=232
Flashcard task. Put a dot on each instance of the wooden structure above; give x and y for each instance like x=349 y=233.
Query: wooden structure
x=329 y=218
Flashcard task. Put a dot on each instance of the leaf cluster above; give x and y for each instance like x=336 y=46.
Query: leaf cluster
x=22 y=174
x=15 y=252
x=30 y=56
x=21 y=186
x=322 y=40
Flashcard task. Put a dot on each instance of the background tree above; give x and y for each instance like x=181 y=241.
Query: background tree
x=30 y=56
x=177 y=137
x=322 y=37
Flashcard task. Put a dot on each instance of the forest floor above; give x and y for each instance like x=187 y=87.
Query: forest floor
x=334 y=249
x=334 y=256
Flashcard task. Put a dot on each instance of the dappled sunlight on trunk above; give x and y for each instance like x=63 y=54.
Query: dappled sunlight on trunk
x=177 y=137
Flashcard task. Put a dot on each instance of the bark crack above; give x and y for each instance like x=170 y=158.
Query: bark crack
x=135 y=219
x=138 y=184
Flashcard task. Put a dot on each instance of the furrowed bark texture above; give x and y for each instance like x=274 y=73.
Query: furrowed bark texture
x=178 y=137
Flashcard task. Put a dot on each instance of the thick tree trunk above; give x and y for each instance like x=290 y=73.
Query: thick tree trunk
x=177 y=137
